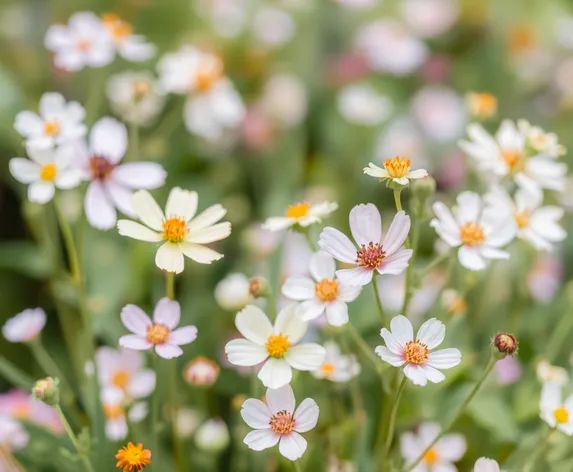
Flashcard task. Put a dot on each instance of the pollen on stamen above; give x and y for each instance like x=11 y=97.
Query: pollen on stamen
x=52 y=128
x=209 y=73
x=397 y=167
x=371 y=256
x=174 y=230
x=157 y=333
x=472 y=234
x=120 y=379
x=48 y=172
x=522 y=219
x=299 y=210
x=326 y=290
x=282 y=422
x=277 y=345
x=416 y=352
x=100 y=167
x=512 y=157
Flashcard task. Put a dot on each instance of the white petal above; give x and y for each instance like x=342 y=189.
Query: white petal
x=392 y=342
x=348 y=293
x=254 y=324
x=416 y=374
x=133 y=341
x=206 y=218
x=470 y=258
x=397 y=233
x=306 y=416
x=210 y=234
x=121 y=197
x=365 y=224
x=261 y=439
x=445 y=358
x=41 y=192
x=292 y=446
x=396 y=263
x=322 y=266
x=134 y=48
x=376 y=171
x=24 y=170
x=200 y=254
x=142 y=384
x=299 y=288
x=168 y=351
x=308 y=356
x=281 y=399
x=451 y=447
x=147 y=210
x=137 y=231
x=402 y=329
x=277 y=223
x=135 y=319
x=52 y=104
x=170 y=258
x=337 y=313
x=469 y=207
x=310 y=309
x=181 y=204
x=433 y=375
x=100 y=213
x=337 y=245
x=446 y=218
x=167 y=312
x=68 y=178
x=275 y=373
x=484 y=464
x=183 y=335
x=431 y=333
x=493 y=253
x=417 y=174
x=256 y=414
x=550 y=397
x=28 y=123
x=289 y=324
x=108 y=139
x=388 y=356
x=140 y=175
x=356 y=277
x=242 y=352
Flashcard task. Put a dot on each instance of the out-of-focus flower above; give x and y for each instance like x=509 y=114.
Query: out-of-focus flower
x=182 y=232
x=373 y=253
x=277 y=346
x=186 y=422
x=454 y=302
x=481 y=105
x=361 y=104
x=25 y=326
x=402 y=137
x=132 y=47
x=483 y=464
x=233 y=292
x=228 y=17
x=563 y=28
x=21 y=405
x=284 y=99
x=547 y=373
x=135 y=97
x=337 y=367
x=396 y=170
x=213 y=435
x=258 y=131
x=324 y=294
x=260 y=242
x=13 y=436
x=132 y=457
x=47 y=390
x=201 y=371
x=478 y=230
x=507 y=370
x=544 y=278
x=541 y=141
x=301 y=214
x=114 y=411
x=277 y=421
x=421 y=365
x=555 y=412
x=159 y=333
x=440 y=112
x=273 y=26
x=430 y=18
x=357 y=4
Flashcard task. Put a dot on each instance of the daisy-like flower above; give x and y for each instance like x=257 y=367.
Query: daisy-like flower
x=483 y=464
x=277 y=421
x=57 y=123
x=132 y=457
x=337 y=367
x=481 y=105
x=83 y=42
x=302 y=214
x=323 y=293
x=361 y=104
x=277 y=346
x=396 y=170
x=46 y=170
x=130 y=46
x=182 y=232
x=449 y=449
x=201 y=371
x=374 y=252
x=25 y=326
x=541 y=141
x=555 y=412
x=421 y=365
x=478 y=229
x=159 y=333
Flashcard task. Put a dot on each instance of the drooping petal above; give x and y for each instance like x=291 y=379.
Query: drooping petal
x=365 y=224
x=100 y=213
x=281 y=399
x=133 y=341
x=337 y=245
x=388 y=356
x=445 y=358
x=167 y=312
x=289 y=324
x=199 y=253
x=431 y=333
x=168 y=351
x=135 y=319
x=357 y=277
x=182 y=204
x=108 y=138
x=137 y=231
x=337 y=313
x=184 y=335
x=416 y=374
x=275 y=373
x=245 y=353
x=322 y=266
x=261 y=439
x=256 y=414
x=292 y=446
x=397 y=233
x=147 y=210
x=306 y=416
x=254 y=324
x=170 y=258
x=308 y=356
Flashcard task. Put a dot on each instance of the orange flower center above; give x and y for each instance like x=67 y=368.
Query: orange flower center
x=326 y=290
x=561 y=415
x=100 y=167
x=83 y=45
x=512 y=157
x=174 y=230
x=48 y=172
x=282 y=422
x=397 y=167
x=415 y=352
x=157 y=333
x=431 y=457
x=209 y=73
x=120 y=379
x=327 y=369
x=277 y=345
x=371 y=256
x=472 y=234
x=483 y=105
x=522 y=219
x=140 y=88
x=52 y=128
x=113 y=412
x=133 y=457
x=298 y=210
x=118 y=28
x=521 y=39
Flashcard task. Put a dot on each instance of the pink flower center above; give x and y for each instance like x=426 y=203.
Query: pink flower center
x=282 y=422
x=100 y=167
x=157 y=333
x=371 y=256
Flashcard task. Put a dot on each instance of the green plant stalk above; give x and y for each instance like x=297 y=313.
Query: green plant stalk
x=170 y=285
x=133 y=142
x=378 y=300
x=177 y=452
x=397 y=199
x=155 y=409
x=14 y=375
x=391 y=424
x=562 y=330
x=532 y=458
x=435 y=262
x=409 y=289
x=83 y=457
x=365 y=348
x=297 y=467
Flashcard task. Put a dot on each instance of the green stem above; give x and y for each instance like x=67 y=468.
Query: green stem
x=177 y=452
x=378 y=301
x=155 y=415
x=366 y=349
x=309 y=240
x=434 y=263
x=69 y=243
x=391 y=423
x=170 y=285
x=85 y=460
x=14 y=375
x=297 y=467
x=562 y=330
x=532 y=458
x=133 y=154
x=397 y=199
x=409 y=289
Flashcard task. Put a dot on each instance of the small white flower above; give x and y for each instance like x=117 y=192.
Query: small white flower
x=180 y=229
x=130 y=46
x=361 y=104
x=277 y=346
x=483 y=464
x=303 y=214
x=273 y=26
x=45 y=170
x=337 y=367
x=540 y=141
x=421 y=364
x=213 y=435
x=25 y=326
x=430 y=18
x=59 y=122
x=373 y=253
x=323 y=294
x=277 y=421
x=233 y=293
x=284 y=99
x=112 y=400
x=395 y=170
x=547 y=373
x=555 y=412
x=478 y=230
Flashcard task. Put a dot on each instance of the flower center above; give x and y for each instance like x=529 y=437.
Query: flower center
x=209 y=73
x=483 y=104
x=522 y=219
x=174 y=230
x=431 y=457
x=472 y=234
x=512 y=157
x=397 y=167
x=457 y=305
x=371 y=256
x=118 y=28
x=298 y=210
x=113 y=412
x=84 y=45
x=133 y=457
x=561 y=415
x=327 y=369
x=140 y=88
x=282 y=422
x=48 y=172
x=100 y=167
x=52 y=128
x=277 y=345
x=157 y=333
x=21 y=411
x=415 y=352
x=120 y=379
x=326 y=290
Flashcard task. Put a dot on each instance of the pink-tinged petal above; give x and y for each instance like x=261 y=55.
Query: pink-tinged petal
x=431 y=333
x=322 y=266
x=140 y=175
x=310 y=310
x=392 y=342
x=108 y=138
x=184 y=335
x=280 y=399
x=275 y=373
x=170 y=258
x=337 y=245
x=451 y=447
x=445 y=358
x=402 y=329
x=416 y=374
x=256 y=414
x=182 y=204
x=245 y=353
x=254 y=324
x=357 y=277
x=388 y=356
x=306 y=416
x=121 y=197
x=167 y=312
x=397 y=233
x=200 y=254
x=142 y=384
x=24 y=170
x=348 y=293
x=308 y=356
x=135 y=319
x=134 y=230
x=396 y=263
x=365 y=224
x=147 y=210
x=168 y=351
x=133 y=341
x=261 y=439
x=470 y=258
x=100 y=212
x=337 y=313
x=299 y=288
x=289 y=324
x=433 y=375
x=292 y=446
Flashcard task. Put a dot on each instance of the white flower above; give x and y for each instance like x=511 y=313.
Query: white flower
x=483 y=464
x=25 y=326
x=373 y=253
x=284 y=99
x=396 y=170
x=361 y=104
x=182 y=231
x=112 y=184
x=13 y=436
x=273 y=26
x=547 y=373
x=112 y=400
x=130 y=46
x=421 y=364
x=277 y=421
x=449 y=449
x=59 y=122
x=478 y=230
x=481 y=105
x=233 y=293
x=45 y=170
x=201 y=371
x=540 y=141
x=440 y=111
x=186 y=422
x=135 y=97
x=277 y=346
x=83 y=42
x=323 y=294
x=303 y=214
x=213 y=435
x=430 y=18
x=337 y=367
x=554 y=411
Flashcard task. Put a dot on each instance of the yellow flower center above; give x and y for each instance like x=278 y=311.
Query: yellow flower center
x=326 y=290
x=327 y=369
x=174 y=230
x=397 y=167
x=282 y=422
x=113 y=412
x=299 y=210
x=472 y=234
x=157 y=333
x=209 y=73
x=52 y=128
x=457 y=305
x=48 y=172
x=371 y=256
x=120 y=379
x=522 y=219
x=561 y=415
x=512 y=157
x=415 y=352
x=83 y=45
x=132 y=457
x=118 y=28
x=140 y=88
x=277 y=345
x=100 y=167
x=483 y=105
x=521 y=39
x=431 y=457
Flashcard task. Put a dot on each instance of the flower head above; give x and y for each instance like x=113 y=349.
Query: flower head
x=337 y=367
x=114 y=409
x=201 y=371
x=277 y=421
x=396 y=170
x=213 y=435
x=277 y=346
x=554 y=411
x=22 y=405
x=505 y=343
x=132 y=457
x=540 y=141
x=181 y=230
x=301 y=214
x=130 y=46
x=362 y=105
x=25 y=326
x=421 y=364
x=482 y=105
x=233 y=292
x=547 y=373
x=47 y=390
x=483 y=464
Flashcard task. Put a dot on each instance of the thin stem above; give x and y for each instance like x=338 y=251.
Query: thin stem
x=69 y=243
x=81 y=452
x=297 y=467
x=378 y=300
x=155 y=407
x=133 y=142
x=177 y=453
x=562 y=331
x=392 y=421
x=309 y=240
x=366 y=349
x=409 y=289
x=532 y=458
x=397 y=199
x=170 y=285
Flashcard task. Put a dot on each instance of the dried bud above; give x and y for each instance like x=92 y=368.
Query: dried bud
x=47 y=390
x=259 y=287
x=506 y=344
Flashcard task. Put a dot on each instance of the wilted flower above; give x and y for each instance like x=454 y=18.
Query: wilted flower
x=481 y=105
x=396 y=170
x=505 y=343
x=201 y=371
x=302 y=214
x=132 y=457
x=361 y=104
x=25 y=326
x=233 y=292
x=213 y=435
x=483 y=464
x=337 y=367
x=554 y=411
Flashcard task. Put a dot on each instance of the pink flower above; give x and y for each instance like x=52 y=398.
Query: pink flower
x=21 y=405
x=159 y=333
x=507 y=370
x=25 y=326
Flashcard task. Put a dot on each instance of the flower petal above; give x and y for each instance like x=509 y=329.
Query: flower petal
x=170 y=258
x=256 y=414
x=275 y=373
x=337 y=245
x=348 y=293
x=133 y=341
x=310 y=309
x=135 y=319
x=402 y=329
x=470 y=258
x=200 y=254
x=365 y=224
x=281 y=399
x=416 y=374
x=100 y=213
x=147 y=210
x=484 y=464
x=245 y=353
x=308 y=356
x=451 y=447
x=142 y=384
x=206 y=218
x=433 y=375
x=356 y=277
x=183 y=335
x=432 y=333
x=298 y=288
x=181 y=204
x=388 y=356
x=168 y=351
x=134 y=230
x=397 y=233
x=322 y=266
x=392 y=342
x=445 y=358
x=396 y=263
x=306 y=416
x=254 y=324
x=41 y=192
x=167 y=312
x=210 y=234
x=108 y=138
x=261 y=439
x=140 y=175
x=28 y=123
x=337 y=313
x=292 y=446
x=289 y=324
x=23 y=170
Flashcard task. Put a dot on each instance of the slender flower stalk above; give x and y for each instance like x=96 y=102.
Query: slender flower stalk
x=366 y=349
x=155 y=412
x=531 y=459
x=170 y=285
x=391 y=423
x=379 y=302
x=50 y=367
x=75 y=441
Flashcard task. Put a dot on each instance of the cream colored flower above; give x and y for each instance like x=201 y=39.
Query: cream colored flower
x=395 y=170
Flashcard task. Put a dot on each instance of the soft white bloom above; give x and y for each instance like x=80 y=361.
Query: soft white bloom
x=554 y=411
x=58 y=122
x=321 y=294
x=374 y=252
x=547 y=373
x=46 y=170
x=449 y=449
x=213 y=435
x=361 y=104
x=137 y=412
x=337 y=367
x=478 y=229
x=228 y=17
x=135 y=97
x=180 y=229
x=131 y=47
x=421 y=364
x=13 y=436
x=541 y=141
x=483 y=464
x=25 y=326
x=277 y=346
x=277 y=421
x=303 y=214
x=201 y=371
x=395 y=170
x=112 y=184
x=430 y=18
x=284 y=99
x=186 y=422
x=112 y=400
x=273 y=26
x=440 y=111
x=563 y=28
x=403 y=137
x=233 y=292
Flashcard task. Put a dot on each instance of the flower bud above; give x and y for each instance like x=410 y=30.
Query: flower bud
x=423 y=189
x=47 y=390
x=505 y=344
x=201 y=371
x=259 y=287
x=212 y=435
